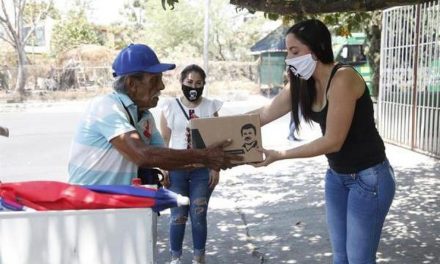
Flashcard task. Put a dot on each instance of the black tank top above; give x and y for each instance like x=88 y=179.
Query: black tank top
x=363 y=146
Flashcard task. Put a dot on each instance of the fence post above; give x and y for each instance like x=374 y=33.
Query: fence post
x=414 y=94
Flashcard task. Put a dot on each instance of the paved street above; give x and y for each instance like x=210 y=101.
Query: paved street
x=276 y=214
x=265 y=215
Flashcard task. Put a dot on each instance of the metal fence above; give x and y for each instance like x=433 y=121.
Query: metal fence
x=409 y=96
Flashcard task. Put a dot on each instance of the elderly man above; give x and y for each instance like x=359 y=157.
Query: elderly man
x=117 y=133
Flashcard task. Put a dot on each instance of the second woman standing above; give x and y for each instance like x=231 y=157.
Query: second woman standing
x=199 y=183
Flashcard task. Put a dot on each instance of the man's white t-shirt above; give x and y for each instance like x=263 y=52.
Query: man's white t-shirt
x=178 y=122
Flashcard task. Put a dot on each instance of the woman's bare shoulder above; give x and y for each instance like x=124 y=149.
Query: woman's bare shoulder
x=348 y=80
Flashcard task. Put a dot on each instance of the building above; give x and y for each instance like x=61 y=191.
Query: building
x=270 y=52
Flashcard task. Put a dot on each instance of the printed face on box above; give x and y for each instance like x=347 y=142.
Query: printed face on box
x=244 y=130
x=249 y=135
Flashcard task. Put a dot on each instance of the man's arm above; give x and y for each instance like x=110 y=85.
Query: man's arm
x=133 y=148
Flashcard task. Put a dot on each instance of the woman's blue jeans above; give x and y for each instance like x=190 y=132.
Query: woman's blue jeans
x=194 y=184
x=356 y=206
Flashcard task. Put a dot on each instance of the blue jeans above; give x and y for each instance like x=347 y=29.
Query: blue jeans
x=194 y=184
x=356 y=206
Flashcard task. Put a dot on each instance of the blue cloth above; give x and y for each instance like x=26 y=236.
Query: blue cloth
x=356 y=207
x=6 y=205
x=163 y=198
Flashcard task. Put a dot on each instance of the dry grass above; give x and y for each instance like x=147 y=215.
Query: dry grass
x=225 y=90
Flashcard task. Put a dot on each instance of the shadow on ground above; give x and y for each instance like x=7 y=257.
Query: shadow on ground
x=277 y=215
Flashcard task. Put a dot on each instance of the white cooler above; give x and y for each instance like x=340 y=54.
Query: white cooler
x=84 y=236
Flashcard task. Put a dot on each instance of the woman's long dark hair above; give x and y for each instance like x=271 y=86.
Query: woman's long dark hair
x=315 y=35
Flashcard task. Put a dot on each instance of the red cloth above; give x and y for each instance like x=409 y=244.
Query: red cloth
x=51 y=195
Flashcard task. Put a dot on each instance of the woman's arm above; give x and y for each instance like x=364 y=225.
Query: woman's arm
x=165 y=130
x=277 y=107
x=345 y=89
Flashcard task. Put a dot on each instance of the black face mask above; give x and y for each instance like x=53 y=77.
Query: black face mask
x=192 y=94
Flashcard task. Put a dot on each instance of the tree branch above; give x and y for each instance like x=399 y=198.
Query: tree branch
x=7 y=32
x=7 y=23
x=8 y=41
x=293 y=7
x=36 y=21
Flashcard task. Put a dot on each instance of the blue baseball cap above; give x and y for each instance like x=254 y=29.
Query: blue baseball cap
x=138 y=58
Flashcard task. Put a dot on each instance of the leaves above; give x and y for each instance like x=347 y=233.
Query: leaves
x=73 y=31
x=180 y=32
x=170 y=3
x=288 y=7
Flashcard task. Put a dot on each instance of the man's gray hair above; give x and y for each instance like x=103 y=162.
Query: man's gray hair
x=119 y=82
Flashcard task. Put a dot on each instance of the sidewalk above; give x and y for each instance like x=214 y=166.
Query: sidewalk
x=276 y=214
x=267 y=215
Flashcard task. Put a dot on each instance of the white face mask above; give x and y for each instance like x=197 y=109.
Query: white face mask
x=302 y=66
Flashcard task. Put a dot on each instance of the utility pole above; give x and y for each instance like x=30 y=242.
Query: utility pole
x=205 y=44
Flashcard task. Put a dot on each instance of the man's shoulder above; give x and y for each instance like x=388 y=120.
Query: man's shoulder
x=104 y=100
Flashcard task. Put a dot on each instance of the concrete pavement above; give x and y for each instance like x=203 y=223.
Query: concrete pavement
x=265 y=215
x=276 y=214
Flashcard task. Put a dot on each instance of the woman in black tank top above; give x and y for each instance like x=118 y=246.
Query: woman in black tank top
x=360 y=183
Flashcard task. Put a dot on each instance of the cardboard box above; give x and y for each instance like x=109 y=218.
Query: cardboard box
x=244 y=130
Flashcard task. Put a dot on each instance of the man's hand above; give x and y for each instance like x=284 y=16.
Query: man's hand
x=217 y=159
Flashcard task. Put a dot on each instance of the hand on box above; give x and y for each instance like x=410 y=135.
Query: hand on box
x=270 y=156
x=217 y=159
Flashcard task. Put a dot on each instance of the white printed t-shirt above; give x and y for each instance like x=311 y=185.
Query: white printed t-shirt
x=177 y=121
x=93 y=159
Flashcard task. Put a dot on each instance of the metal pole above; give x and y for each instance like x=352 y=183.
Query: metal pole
x=205 y=45
x=414 y=91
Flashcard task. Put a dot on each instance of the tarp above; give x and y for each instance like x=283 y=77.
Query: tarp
x=52 y=195
x=273 y=42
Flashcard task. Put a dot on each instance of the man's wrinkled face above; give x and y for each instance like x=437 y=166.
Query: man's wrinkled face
x=145 y=92
x=248 y=135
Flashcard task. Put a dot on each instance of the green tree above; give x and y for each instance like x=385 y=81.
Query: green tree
x=13 y=20
x=288 y=7
x=233 y=32
x=34 y=8
x=168 y=31
x=343 y=17
x=179 y=32
x=74 y=30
